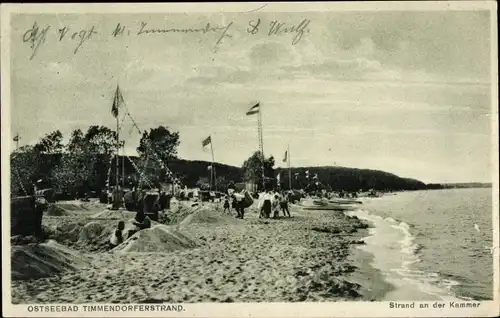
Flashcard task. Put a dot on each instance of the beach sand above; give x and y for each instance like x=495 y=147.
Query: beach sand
x=210 y=257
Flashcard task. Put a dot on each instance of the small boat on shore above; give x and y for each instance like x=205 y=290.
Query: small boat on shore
x=329 y=207
x=323 y=205
x=344 y=201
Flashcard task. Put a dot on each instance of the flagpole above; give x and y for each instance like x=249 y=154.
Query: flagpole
x=210 y=176
x=261 y=144
x=289 y=170
x=117 y=195
x=17 y=141
x=213 y=175
x=117 y=145
x=123 y=166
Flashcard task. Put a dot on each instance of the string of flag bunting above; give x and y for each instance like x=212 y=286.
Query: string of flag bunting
x=111 y=157
x=118 y=100
x=163 y=166
x=18 y=177
x=142 y=175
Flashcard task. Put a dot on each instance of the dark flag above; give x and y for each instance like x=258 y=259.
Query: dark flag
x=16 y=138
x=117 y=101
x=207 y=141
x=254 y=110
x=285 y=157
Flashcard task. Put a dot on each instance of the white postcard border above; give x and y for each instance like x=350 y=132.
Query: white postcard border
x=337 y=309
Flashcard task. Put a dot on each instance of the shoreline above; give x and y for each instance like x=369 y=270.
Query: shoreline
x=397 y=274
x=309 y=257
x=373 y=285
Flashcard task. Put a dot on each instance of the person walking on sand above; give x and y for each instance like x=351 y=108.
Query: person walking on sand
x=241 y=210
x=227 y=206
x=238 y=205
x=117 y=236
x=276 y=206
x=284 y=205
x=266 y=208
x=260 y=206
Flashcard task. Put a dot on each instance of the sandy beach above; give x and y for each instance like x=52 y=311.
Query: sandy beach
x=203 y=255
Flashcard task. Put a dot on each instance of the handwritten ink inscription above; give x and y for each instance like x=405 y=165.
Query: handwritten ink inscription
x=280 y=28
x=36 y=36
x=222 y=30
x=79 y=37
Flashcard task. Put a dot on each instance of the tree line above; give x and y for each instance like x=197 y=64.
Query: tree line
x=464 y=185
x=87 y=162
x=348 y=179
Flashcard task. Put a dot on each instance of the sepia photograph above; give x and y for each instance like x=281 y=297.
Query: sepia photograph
x=157 y=158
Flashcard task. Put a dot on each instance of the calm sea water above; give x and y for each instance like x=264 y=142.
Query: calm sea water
x=430 y=238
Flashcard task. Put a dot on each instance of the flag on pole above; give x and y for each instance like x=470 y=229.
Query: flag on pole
x=206 y=141
x=16 y=138
x=254 y=110
x=117 y=101
x=209 y=167
x=286 y=156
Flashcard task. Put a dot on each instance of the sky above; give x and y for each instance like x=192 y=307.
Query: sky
x=403 y=92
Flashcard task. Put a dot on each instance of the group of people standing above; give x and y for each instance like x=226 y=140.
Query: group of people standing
x=270 y=203
x=238 y=202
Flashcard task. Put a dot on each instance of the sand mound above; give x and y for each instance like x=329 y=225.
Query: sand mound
x=65 y=232
x=42 y=260
x=114 y=214
x=159 y=238
x=94 y=232
x=72 y=205
x=208 y=214
x=179 y=212
x=55 y=210
x=24 y=240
